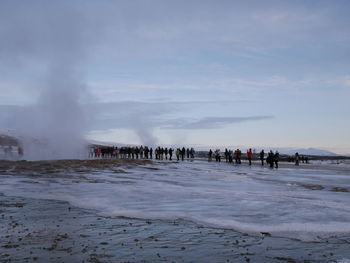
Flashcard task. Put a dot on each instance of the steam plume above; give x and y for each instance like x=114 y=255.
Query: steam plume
x=50 y=36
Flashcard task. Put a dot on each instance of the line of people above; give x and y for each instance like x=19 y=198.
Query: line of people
x=142 y=152
x=236 y=156
x=272 y=159
x=180 y=153
x=298 y=158
x=229 y=155
x=160 y=153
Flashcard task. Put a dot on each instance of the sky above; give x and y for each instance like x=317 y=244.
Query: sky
x=206 y=73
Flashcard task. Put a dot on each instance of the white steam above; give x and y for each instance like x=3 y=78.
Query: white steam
x=52 y=37
x=60 y=120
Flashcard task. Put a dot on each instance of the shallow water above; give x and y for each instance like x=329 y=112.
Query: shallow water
x=309 y=204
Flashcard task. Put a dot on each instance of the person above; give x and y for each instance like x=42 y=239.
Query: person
x=226 y=155
x=146 y=152
x=141 y=151
x=239 y=154
x=296 y=158
x=250 y=156
x=137 y=152
x=262 y=154
x=170 y=153
x=236 y=156
x=133 y=151
x=188 y=153
x=156 y=153
x=178 y=154
x=151 y=153
x=129 y=152
x=161 y=153
x=270 y=158
x=112 y=151
x=183 y=153
x=166 y=153
x=192 y=151
x=217 y=155
x=117 y=152
x=210 y=155
x=230 y=156
x=276 y=158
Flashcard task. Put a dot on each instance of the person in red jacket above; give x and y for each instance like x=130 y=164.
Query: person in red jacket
x=250 y=156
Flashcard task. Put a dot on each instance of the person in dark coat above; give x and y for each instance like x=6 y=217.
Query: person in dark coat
x=210 y=155
x=217 y=155
x=262 y=155
x=296 y=158
x=170 y=153
x=270 y=159
x=192 y=151
x=276 y=158
x=183 y=153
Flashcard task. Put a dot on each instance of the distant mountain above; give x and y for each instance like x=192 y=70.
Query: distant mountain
x=309 y=151
x=288 y=151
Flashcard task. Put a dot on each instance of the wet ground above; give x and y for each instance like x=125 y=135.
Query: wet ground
x=38 y=224
x=53 y=231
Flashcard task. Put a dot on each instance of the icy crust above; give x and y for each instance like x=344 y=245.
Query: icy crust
x=308 y=204
x=64 y=233
x=342 y=163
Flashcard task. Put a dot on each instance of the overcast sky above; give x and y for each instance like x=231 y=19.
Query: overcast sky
x=248 y=73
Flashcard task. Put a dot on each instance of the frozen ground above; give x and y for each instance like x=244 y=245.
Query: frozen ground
x=301 y=203
x=36 y=230
x=310 y=203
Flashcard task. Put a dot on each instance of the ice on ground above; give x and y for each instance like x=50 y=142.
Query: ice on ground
x=308 y=204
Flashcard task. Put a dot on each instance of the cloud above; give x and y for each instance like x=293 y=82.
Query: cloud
x=272 y=52
x=210 y=122
x=134 y=115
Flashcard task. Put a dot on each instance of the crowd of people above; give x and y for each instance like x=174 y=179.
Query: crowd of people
x=167 y=153
x=298 y=158
x=271 y=159
x=142 y=152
